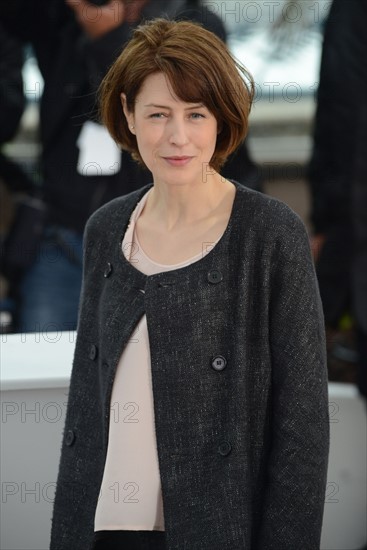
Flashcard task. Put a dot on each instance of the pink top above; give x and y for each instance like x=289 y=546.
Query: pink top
x=130 y=496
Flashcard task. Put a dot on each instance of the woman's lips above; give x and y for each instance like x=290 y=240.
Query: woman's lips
x=177 y=161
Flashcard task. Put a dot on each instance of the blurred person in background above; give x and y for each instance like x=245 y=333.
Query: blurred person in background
x=338 y=174
x=75 y=41
x=12 y=100
x=12 y=178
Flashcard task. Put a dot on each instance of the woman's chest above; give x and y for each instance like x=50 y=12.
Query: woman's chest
x=172 y=248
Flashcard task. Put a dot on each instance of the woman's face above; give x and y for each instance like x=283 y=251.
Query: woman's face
x=176 y=139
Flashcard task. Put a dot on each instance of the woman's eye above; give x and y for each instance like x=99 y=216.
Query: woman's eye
x=157 y=115
x=197 y=115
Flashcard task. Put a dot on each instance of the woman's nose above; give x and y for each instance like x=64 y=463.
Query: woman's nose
x=177 y=132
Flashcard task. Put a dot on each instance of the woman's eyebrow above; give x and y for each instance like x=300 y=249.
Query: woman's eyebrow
x=197 y=106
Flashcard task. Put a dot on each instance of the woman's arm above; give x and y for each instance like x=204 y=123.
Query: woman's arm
x=297 y=467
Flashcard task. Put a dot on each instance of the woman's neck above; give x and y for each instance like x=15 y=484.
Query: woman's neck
x=174 y=207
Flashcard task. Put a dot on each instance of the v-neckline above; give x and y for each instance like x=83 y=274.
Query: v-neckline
x=207 y=259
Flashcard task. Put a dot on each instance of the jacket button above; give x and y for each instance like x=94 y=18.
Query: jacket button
x=167 y=282
x=69 y=438
x=224 y=448
x=219 y=362
x=93 y=351
x=215 y=276
x=108 y=270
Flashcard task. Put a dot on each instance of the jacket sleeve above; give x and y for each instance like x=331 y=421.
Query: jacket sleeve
x=297 y=465
x=81 y=448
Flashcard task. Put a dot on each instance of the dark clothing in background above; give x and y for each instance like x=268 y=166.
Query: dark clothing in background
x=337 y=170
x=359 y=261
x=12 y=103
x=359 y=224
x=340 y=100
x=12 y=99
x=12 y=177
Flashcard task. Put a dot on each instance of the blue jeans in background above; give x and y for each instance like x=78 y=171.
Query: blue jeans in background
x=50 y=290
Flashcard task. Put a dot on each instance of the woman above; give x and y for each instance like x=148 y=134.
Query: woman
x=198 y=412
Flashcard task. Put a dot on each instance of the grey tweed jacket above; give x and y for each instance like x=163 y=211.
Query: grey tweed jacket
x=238 y=375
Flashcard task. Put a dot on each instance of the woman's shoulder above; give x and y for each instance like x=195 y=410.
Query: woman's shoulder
x=268 y=224
x=115 y=213
x=264 y=213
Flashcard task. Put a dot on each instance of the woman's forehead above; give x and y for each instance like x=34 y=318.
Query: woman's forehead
x=157 y=90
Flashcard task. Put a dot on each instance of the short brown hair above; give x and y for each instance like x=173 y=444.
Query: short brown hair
x=200 y=69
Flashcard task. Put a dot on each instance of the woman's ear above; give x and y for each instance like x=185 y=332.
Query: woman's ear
x=128 y=115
